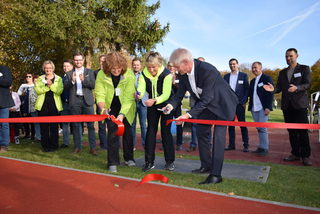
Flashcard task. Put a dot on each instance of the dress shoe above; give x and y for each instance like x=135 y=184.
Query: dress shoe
x=230 y=148
x=76 y=151
x=64 y=146
x=291 y=158
x=191 y=149
x=178 y=148
x=306 y=162
x=211 y=179
x=147 y=167
x=93 y=151
x=245 y=149
x=201 y=170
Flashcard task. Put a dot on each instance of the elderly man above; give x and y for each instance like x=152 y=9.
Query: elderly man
x=214 y=100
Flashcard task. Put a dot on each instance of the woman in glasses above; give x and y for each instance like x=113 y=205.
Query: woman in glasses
x=157 y=82
x=49 y=87
x=26 y=108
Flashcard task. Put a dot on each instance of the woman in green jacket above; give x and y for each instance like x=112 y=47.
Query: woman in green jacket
x=157 y=82
x=49 y=87
x=114 y=91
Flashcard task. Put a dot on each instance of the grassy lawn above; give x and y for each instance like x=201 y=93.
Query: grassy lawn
x=290 y=184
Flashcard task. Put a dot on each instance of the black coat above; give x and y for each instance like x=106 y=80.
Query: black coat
x=6 y=100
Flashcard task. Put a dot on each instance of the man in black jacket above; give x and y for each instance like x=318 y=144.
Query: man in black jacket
x=214 y=100
x=6 y=102
x=294 y=82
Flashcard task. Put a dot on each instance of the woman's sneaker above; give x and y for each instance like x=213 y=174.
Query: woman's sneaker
x=113 y=169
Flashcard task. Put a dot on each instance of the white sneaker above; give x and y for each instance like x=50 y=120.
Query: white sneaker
x=113 y=169
x=130 y=163
x=16 y=140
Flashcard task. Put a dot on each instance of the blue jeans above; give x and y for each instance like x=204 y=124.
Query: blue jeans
x=36 y=126
x=4 y=127
x=66 y=126
x=259 y=116
x=142 y=111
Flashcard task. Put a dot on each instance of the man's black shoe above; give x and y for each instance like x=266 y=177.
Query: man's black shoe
x=230 y=148
x=201 y=170
x=211 y=179
x=191 y=149
x=147 y=167
x=258 y=150
x=64 y=146
x=245 y=149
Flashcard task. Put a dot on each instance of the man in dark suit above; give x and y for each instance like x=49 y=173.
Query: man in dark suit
x=80 y=82
x=294 y=82
x=260 y=105
x=214 y=100
x=238 y=81
x=6 y=102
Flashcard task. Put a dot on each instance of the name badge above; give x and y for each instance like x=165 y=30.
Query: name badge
x=297 y=75
x=260 y=84
x=240 y=82
x=117 y=91
x=176 y=81
x=1 y=74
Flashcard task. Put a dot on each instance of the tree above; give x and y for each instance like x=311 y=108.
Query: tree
x=33 y=31
x=315 y=83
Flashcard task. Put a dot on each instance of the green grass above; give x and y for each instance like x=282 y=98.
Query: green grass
x=291 y=184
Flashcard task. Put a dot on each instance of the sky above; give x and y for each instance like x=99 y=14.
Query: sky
x=248 y=30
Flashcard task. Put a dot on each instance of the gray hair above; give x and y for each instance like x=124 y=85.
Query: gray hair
x=179 y=55
x=154 y=58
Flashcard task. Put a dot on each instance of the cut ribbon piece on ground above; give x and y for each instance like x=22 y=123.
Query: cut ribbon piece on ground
x=154 y=177
x=251 y=124
x=67 y=119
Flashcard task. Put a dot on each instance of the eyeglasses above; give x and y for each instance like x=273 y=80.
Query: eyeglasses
x=28 y=76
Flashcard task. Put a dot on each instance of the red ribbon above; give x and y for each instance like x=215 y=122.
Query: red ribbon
x=154 y=177
x=68 y=119
x=252 y=124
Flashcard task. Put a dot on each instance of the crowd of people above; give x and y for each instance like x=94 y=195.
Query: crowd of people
x=155 y=93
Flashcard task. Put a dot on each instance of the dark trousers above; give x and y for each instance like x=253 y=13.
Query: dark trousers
x=241 y=115
x=49 y=131
x=28 y=127
x=102 y=131
x=14 y=126
x=211 y=155
x=176 y=114
x=153 y=116
x=113 y=143
x=299 y=138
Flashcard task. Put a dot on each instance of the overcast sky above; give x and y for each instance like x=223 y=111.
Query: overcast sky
x=248 y=30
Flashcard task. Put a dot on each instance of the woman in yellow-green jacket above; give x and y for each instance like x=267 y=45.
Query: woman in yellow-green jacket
x=156 y=81
x=114 y=92
x=49 y=87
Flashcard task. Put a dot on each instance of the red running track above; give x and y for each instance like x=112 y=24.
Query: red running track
x=33 y=188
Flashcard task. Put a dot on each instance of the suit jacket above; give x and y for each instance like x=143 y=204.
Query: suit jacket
x=301 y=78
x=265 y=97
x=87 y=86
x=6 y=100
x=215 y=94
x=242 y=86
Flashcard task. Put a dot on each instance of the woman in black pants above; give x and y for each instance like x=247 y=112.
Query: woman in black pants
x=156 y=80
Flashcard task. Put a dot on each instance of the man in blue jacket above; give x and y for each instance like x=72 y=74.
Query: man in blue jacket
x=260 y=105
x=239 y=83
